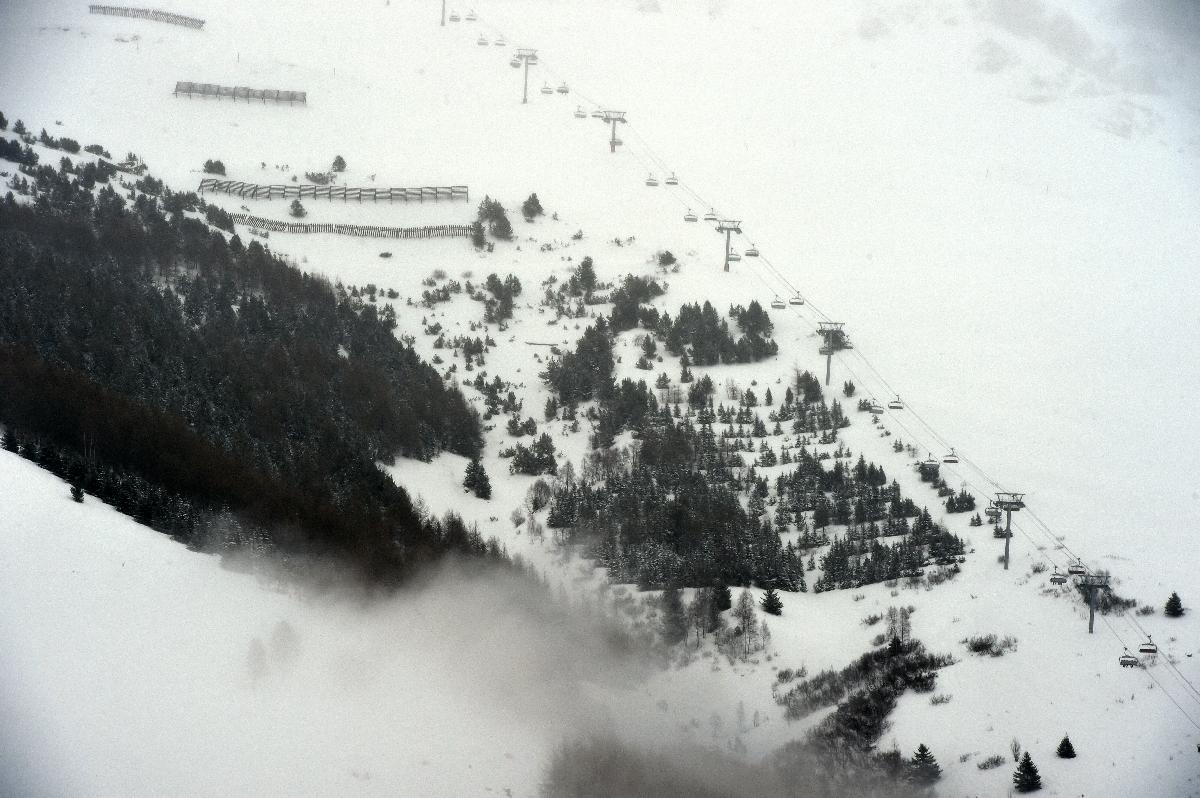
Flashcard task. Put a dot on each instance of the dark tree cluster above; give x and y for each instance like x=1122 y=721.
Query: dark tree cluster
x=206 y=374
x=962 y=502
x=707 y=335
x=581 y=375
x=628 y=299
x=500 y=306
x=532 y=207
x=492 y=215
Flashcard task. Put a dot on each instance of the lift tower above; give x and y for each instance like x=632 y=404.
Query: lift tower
x=528 y=55
x=612 y=118
x=728 y=227
x=835 y=340
x=1008 y=502
x=1093 y=584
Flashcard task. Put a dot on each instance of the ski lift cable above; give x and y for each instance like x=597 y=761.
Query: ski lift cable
x=1154 y=678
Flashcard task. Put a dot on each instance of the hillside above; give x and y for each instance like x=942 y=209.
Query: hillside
x=996 y=202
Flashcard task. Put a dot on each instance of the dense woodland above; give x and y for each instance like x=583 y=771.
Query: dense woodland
x=224 y=395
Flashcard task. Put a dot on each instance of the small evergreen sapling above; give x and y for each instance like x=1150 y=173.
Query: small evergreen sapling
x=1174 y=606
x=923 y=768
x=339 y=164
x=771 y=603
x=1026 y=778
x=297 y=210
x=532 y=207
x=77 y=493
x=1065 y=749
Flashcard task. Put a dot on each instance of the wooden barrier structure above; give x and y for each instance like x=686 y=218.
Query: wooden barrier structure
x=148 y=13
x=239 y=92
x=344 y=193
x=361 y=230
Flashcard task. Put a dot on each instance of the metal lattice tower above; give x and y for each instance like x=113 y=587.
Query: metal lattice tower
x=728 y=227
x=835 y=339
x=1008 y=503
x=1093 y=584
x=612 y=118
x=528 y=55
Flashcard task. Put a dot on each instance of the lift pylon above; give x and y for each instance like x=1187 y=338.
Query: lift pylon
x=1008 y=503
x=728 y=227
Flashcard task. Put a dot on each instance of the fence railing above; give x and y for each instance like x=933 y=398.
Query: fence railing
x=148 y=13
x=362 y=230
x=236 y=93
x=344 y=193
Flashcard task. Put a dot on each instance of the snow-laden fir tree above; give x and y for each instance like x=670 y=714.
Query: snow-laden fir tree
x=771 y=603
x=923 y=768
x=1026 y=778
x=1065 y=749
x=1174 y=606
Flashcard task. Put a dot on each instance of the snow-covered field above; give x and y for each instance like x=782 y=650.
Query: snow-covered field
x=999 y=199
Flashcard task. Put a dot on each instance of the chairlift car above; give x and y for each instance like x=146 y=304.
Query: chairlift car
x=1058 y=579
x=500 y=42
x=951 y=457
x=515 y=63
x=1149 y=647
x=931 y=462
x=796 y=300
x=471 y=16
x=672 y=180
x=531 y=58
x=733 y=257
x=1127 y=660
x=1076 y=569
x=546 y=89
x=689 y=216
x=876 y=408
x=482 y=41
x=454 y=16
x=778 y=303
x=580 y=113
x=652 y=180
x=896 y=404
x=597 y=114
x=752 y=252
x=711 y=216
x=562 y=88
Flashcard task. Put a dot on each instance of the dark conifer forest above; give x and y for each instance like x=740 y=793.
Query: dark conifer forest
x=209 y=388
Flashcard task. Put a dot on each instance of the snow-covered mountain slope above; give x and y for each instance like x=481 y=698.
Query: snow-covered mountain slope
x=997 y=198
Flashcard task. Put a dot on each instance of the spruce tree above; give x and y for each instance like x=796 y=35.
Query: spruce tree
x=1174 y=606
x=771 y=603
x=477 y=239
x=1065 y=749
x=532 y=206
x=674 y=617
x=297 y=210
x=339 y=164
x=1026 y=778
x=476 y=480
x=722 y=597
x=923 y=768
x=77 y=493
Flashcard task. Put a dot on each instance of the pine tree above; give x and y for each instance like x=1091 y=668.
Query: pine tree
x=297 y=210
x=771 y=603
x=722 y=597
x=1026 y=778
x=674 y=617
x=532 y=206
x=477 y=239
x=923 y=768
x=476 y=480
x=1174 y=606
x=339 y=164
x=77 y=493
x=1065 y=749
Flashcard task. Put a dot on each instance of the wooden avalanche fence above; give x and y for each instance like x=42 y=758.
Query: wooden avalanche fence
x=239 y=92
x=148 y=13
x=362 y=230
x=345 y=193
